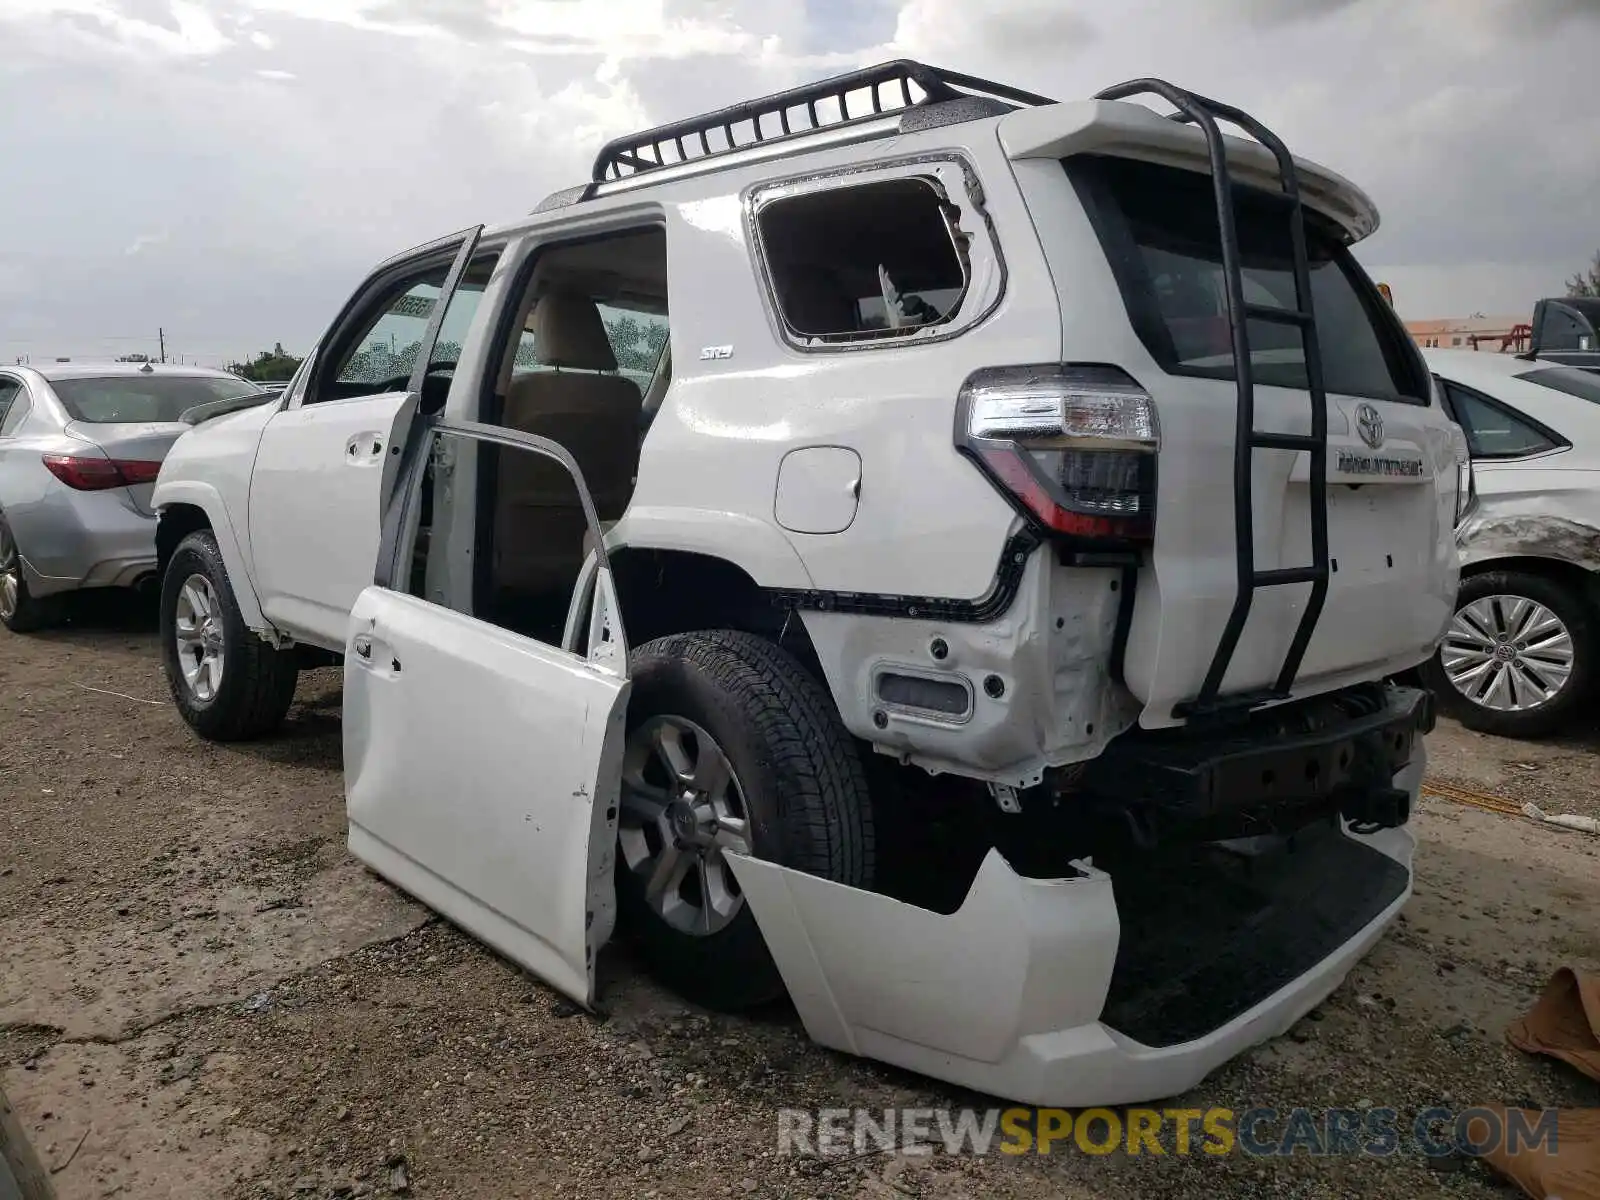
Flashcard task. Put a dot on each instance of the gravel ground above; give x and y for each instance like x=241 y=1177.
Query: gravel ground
x=202 y=996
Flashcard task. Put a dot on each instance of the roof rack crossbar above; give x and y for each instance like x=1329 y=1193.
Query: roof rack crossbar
x=650 y=150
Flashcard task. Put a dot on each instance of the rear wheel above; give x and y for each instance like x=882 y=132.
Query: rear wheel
x=229 y=684
x=731 y=746
x=1519 y=658
x=20 y=611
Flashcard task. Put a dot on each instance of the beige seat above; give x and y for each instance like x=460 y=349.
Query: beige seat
x=539 y=522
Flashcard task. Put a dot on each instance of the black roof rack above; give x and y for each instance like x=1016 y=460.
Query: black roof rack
x=798 y=111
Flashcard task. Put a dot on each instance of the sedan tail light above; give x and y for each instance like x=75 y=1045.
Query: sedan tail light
x=96 y=473
x=1072 y=446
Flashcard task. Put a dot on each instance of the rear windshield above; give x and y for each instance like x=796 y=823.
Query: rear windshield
x=1159 y=228
x=116 y=399
x=1570 y=380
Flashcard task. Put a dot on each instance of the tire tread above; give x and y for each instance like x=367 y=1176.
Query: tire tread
x=258 y=680
x=806 y=796
x=832 y=841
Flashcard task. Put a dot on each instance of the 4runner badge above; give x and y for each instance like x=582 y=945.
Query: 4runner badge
x=1369 y=424
x=714 y=353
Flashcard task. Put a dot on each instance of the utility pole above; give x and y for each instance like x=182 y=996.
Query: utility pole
x=162 y=334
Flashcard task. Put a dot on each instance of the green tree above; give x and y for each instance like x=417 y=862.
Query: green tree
x=1587 y=281
x=270 y=366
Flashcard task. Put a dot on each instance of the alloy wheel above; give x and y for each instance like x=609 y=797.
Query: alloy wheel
x=682 y=807
x=1508 y=653
x=10 y=575
x=197 y=631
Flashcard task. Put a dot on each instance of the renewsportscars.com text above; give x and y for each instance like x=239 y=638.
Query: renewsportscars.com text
x=1260 y=1132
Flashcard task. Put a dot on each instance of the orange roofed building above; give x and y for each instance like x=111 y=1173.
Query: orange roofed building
x=1472 y=333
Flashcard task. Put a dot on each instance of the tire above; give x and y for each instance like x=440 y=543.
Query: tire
x=20 y=610
x=1486 y=605
x=795 y=774
x=256 y=683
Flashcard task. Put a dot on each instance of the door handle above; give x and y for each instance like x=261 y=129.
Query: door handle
x=364 y=449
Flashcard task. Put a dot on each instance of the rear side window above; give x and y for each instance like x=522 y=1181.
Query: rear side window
x=1493 y=430
x=136 y=398
x=1159 y=228
x=865 y=262
x=1564 y=330
x=1570 y=380
x=9 y=389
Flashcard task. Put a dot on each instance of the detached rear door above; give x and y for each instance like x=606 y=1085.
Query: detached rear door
x=483 y=757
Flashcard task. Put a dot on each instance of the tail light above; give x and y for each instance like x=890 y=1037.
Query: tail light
x=96 y=473
x=1074 y=447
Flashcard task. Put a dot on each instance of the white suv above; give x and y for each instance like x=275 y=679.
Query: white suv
x=996 y=531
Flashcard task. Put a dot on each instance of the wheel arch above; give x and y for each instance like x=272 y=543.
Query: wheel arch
x=668 y=591
x=1558 y=570
x=188 y=507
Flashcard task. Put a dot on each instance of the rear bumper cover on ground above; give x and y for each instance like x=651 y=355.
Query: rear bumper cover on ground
x=1013 y=994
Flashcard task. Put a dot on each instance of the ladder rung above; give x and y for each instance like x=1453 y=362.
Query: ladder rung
x=1278 y=316
x=1284 y=441
x=1287 y=575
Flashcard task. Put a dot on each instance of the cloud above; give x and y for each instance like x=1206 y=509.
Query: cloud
x=939 y=29
x=406 y=118
x=187 y=30
x=1283 y=12
x=144 y=241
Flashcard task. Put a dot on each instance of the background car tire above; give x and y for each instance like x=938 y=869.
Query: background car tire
x=803 y=790
x=257 y=682
x=1572 y=609
x=26 y=613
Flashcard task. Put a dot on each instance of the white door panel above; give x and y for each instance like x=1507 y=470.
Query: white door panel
x=322 y=475
x=481 y=776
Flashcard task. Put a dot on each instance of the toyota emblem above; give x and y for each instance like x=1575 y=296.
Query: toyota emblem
x=1369 y=424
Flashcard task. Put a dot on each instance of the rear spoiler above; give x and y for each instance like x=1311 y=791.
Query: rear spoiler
x=201 y=413
x=1129 y=130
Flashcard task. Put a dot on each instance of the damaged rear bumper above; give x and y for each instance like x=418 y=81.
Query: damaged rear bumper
x=1052 y=992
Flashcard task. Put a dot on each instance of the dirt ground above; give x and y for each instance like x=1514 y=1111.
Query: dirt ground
x=202 y=996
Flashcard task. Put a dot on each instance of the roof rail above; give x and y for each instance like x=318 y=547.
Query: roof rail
x=795 y=113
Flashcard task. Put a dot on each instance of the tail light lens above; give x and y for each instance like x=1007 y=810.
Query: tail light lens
x=96 y=473
x=1073 y=446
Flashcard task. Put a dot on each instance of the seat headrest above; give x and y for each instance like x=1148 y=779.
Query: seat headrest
x=568 y=332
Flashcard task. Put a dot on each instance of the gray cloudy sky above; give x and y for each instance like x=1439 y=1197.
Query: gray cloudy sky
x=229 y=169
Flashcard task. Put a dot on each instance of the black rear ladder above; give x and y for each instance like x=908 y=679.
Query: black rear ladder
x=1206 y=114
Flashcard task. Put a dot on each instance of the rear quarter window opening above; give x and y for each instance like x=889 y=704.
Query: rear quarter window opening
x=865 y=262
x=1158 y=226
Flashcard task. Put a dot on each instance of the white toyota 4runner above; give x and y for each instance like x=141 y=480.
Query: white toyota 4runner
x=902 y=541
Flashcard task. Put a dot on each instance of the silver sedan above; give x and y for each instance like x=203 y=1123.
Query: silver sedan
x=80 y=447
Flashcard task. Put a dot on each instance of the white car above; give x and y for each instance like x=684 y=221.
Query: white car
x=1521 y=657
x=924 y=638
